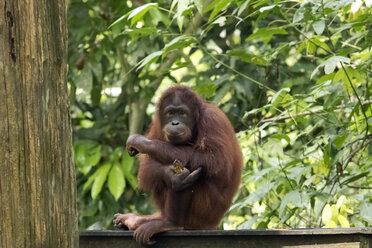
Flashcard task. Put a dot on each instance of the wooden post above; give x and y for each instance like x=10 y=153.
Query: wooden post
x=37 y=174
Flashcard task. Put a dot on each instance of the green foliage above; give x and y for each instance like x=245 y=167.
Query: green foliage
x=313 y=145
x=293 y=78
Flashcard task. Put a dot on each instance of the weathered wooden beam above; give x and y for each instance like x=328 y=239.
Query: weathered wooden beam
x=293 y=238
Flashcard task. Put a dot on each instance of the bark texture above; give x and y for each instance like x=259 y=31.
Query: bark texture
x=37 y=175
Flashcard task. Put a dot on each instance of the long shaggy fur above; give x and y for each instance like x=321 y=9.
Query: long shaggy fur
x=214 y=148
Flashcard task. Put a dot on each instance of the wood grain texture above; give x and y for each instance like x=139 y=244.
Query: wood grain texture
x=293 y=238
x=37 y=179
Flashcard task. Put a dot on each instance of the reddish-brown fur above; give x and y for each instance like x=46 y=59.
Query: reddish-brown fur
x=214 y=148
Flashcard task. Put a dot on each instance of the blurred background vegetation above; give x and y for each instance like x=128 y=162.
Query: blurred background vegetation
x=292 y=76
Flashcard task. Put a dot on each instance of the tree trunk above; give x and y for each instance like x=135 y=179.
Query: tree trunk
x=37 y=175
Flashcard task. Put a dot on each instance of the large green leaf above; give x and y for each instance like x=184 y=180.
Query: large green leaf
x=90 y=181
x=258 y=194
x=181 y=8
x=178 y=43
x=136 y=14
x=281 y=136
x=293 y=198
x=298 y=15
x=100 y=179
x=217 y=6
x=330 y=64
x=329 y=216
x=153 y=57
x=126 y=163
x=206 y=89
x=87 y=154
x=116 y=182
x=344 y=222
x=132 y=180
x=119 y=20
x=126 y=167
x=319 y=27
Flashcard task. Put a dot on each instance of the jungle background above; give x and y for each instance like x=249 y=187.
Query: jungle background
x=292 y=76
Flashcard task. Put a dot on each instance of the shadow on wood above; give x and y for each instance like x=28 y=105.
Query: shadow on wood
x=294 y=238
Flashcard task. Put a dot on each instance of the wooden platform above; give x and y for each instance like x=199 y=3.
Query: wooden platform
x=293 y=238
